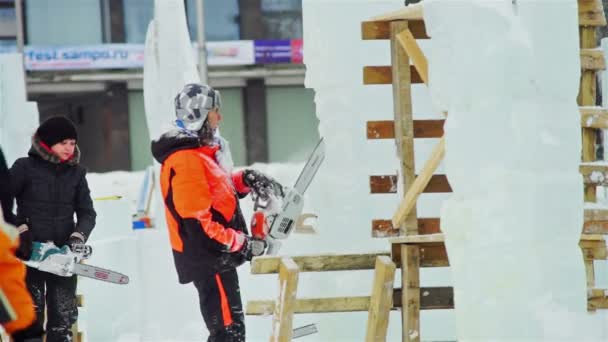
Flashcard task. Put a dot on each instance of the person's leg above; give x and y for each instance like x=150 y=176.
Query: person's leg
x=35 y=281
x=221 y=307
x=62 y=310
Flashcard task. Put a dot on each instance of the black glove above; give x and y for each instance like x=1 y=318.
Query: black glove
x=24 y=252
x=253 y=247
x=261 y=184
x=76 y=244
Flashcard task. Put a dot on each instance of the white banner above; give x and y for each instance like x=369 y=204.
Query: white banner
x=126 y=56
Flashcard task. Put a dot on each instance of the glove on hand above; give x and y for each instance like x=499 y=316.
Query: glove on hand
x=24 y=252
x=253 y=247
x=76 y=244
x=261 y=184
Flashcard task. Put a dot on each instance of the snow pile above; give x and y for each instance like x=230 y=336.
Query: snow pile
x=18 y=117
x=513 y=147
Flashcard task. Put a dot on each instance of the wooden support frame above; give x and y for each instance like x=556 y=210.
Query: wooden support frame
x=374 y=30
x=384 y=75
x=387 y=184
x=591 y=13
x=381 y=301
x=282 y=322
x=594 y=173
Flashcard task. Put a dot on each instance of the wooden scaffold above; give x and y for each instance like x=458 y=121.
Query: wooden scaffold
x=417 y=241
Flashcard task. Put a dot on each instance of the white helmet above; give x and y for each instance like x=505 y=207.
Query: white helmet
x=193 y=103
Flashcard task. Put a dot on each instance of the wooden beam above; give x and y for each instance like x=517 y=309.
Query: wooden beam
x=594 y=173
x=318 y=263
x=387 y=184
x=410 y=296
x=408 y=42
x=382 y=29
x=594 y=117
x=384 y=228
x=592 y=59
x=591 y=13
x=596 y=221
x=383 y=75
x=381 y=301
x=402 y=79
x=593 y=249
x=385 y=129
x=409 y=201
x=312 y=305
x=282 y=322
x=431 y=298
x=411 y=12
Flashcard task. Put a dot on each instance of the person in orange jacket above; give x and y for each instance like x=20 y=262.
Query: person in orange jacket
x=207 y=230
x=16 y=305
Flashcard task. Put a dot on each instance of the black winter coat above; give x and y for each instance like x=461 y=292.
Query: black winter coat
x=6 y=195
x=49 y=192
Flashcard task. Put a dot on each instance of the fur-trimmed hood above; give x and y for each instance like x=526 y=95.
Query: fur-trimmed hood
x=38 y=150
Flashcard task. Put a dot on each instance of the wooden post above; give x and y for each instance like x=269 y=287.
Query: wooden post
x=410 y=294
x=590 y=272
x=282 y=322
x=381 y=300
x=404 y=123
x=587 y=97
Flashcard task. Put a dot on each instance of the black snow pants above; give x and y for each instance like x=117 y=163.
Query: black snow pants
x=58 y=295
x=221 y=306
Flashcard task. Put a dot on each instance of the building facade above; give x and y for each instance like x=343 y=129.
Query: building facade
x=83 y=60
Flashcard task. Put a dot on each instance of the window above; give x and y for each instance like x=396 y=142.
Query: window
x=137 y=14
x=282 y=18
x=221 y=19
x=63 y=22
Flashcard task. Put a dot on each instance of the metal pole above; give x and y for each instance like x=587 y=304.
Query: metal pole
x=19 y=22
x=200 y=32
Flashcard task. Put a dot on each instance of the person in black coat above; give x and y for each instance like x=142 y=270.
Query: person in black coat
x=50 y=187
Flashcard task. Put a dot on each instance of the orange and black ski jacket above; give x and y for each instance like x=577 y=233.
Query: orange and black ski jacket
x=16 y=305
x=201 y=206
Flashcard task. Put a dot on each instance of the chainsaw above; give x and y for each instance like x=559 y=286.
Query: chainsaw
x=277 y=208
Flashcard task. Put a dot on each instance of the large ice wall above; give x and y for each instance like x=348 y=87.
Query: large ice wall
x=513 y=147
x=18 y=117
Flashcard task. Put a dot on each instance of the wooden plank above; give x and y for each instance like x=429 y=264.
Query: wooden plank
x=587 y=93
x=282 y=322
x=431 y=255
x=385 y=129
x=594 y=250
x=409 y=201
x=596 y=221
x=594 y=173
x=591 y=13
x=383 y=75
x=381 y=301
x=384 y=228
x=594 y=117
x=597 y=299
x=410 y=296
x=312 y=305
x=318 y=263
x=408 y=42
x=592 y=59
x=382 y=29
x=403 y=77
x=387 y=184
x=431 y=298
x=411 y=12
